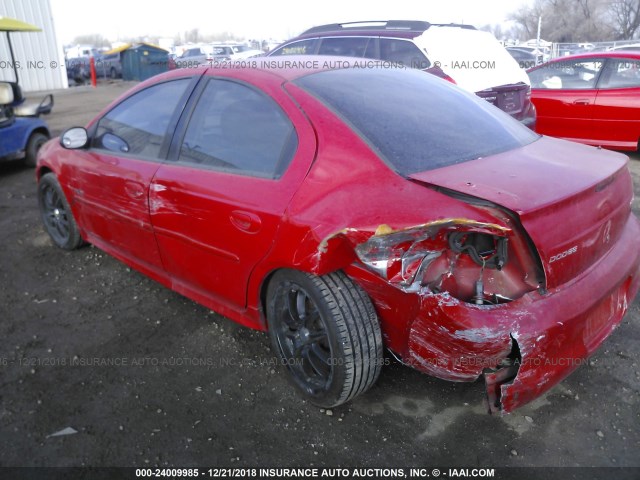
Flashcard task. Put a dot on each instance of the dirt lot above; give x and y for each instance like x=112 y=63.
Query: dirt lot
x=64 y=314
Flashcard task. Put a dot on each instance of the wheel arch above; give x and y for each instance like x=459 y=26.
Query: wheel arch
x=310 y=256
x=42 y=171
x=41 y=129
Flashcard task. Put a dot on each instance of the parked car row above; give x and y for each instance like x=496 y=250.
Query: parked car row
x=525 y=58
x=108 y=65
x=212 y=53
x=626 y=48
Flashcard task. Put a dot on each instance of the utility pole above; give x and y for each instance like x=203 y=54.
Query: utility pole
x=539 y=29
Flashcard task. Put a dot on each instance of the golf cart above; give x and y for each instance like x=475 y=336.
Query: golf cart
x=22 y=132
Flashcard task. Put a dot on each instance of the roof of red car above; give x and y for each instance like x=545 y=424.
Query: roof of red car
x=287 y=68
x=614 y=54
x=291 y=67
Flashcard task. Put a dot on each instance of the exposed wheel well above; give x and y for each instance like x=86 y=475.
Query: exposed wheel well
x=264 y=287
x=42 y=130
x=43 y=171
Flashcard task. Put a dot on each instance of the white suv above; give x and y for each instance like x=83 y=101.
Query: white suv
x=471 y=58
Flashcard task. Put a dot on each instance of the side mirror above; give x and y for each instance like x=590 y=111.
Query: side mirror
x=76 y=137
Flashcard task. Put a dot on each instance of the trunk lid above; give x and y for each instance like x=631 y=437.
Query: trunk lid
x=572 y=200
x=513 y=99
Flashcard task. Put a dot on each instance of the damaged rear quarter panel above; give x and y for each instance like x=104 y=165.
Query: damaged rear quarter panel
x=369 y=194
x=555 y=332
x=453 y=340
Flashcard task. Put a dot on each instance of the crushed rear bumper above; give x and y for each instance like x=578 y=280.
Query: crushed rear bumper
x=522 y=348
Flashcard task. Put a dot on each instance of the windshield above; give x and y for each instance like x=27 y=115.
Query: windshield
x=413 y=120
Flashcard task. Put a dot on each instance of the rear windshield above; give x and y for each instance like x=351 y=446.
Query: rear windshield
x=413 y=120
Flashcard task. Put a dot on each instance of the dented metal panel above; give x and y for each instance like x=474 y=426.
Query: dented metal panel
x=555 y=332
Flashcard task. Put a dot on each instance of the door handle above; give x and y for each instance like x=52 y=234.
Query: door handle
x=246 y=221
x=582 y=101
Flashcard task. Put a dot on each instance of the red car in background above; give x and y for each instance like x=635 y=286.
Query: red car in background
x=590 y=98
x=347 y=209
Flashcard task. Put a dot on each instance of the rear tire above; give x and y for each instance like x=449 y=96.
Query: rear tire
x=325 y=331
x=56 y=214
x=35 y=143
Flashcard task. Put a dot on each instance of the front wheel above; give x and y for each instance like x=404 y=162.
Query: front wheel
x=56 y=214
x=326 y=333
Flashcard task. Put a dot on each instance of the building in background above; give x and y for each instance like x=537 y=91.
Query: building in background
x=39 y=55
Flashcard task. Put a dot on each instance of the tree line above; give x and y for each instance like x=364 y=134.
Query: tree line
x=567 y=21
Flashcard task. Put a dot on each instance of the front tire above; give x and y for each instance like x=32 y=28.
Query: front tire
x=56 y=214
x=325 y=331
x=35 y=143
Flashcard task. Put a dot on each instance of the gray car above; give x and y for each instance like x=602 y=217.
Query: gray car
x=109 y=65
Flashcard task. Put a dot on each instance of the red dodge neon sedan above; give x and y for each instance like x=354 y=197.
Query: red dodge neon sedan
x=592 y=98
x=349 y=209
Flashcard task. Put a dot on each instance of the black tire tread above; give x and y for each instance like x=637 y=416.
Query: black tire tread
x=359 y=330
x=31 y=156
x=75 y=239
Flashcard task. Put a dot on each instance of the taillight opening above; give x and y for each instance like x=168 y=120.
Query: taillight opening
x=488 y=251
x=474 y=262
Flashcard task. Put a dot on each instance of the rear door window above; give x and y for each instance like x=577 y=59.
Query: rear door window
x=344 y=46
x=621 y=73
x=403 y=52
x=302 y=47
x=567 y=75
x=237 y=129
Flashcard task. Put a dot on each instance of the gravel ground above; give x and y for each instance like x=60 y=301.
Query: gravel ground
x=64 y=314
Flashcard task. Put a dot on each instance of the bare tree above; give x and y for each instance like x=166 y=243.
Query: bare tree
x=577 y=20
x=527 y=18
x=495 y=29
x=625 y=15
x=192 y=36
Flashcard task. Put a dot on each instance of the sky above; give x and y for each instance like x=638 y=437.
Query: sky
x=258 y=19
